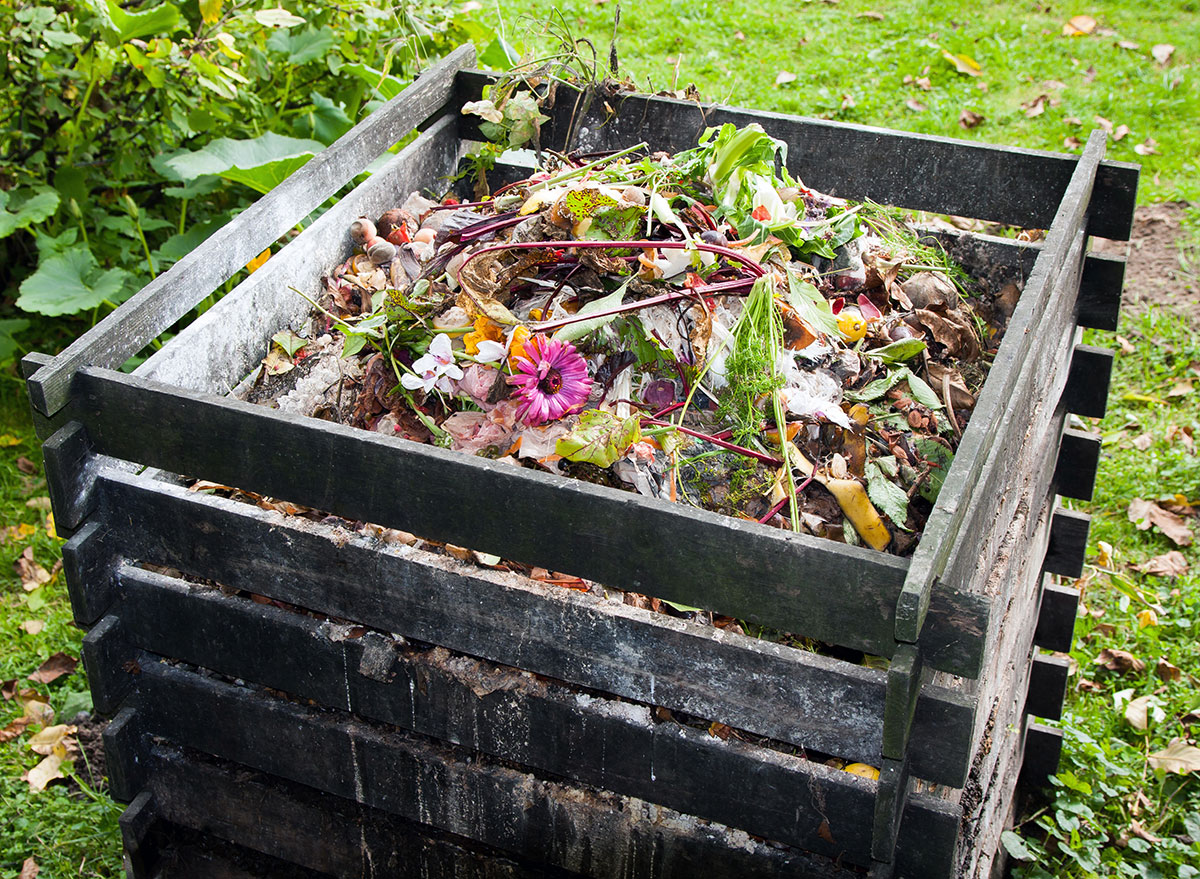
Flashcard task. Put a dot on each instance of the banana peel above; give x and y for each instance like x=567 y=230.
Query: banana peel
x=851 y=496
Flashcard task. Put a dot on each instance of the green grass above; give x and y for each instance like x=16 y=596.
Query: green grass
x=1105 y=783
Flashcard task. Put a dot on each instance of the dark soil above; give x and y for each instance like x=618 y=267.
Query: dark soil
x=1156 y=274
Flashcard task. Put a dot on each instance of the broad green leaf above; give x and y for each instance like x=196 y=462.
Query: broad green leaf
x=289 y=342
x=178 y=246
x=599 y=438
x=877 y=388
x=277 y=18
x=812 y=307
x=387 y=85
x=33 y=209
x=325 y=120
x=1015 y=846
x=578 y=330
x=70 y=282
x=940 y=456
x=499 y=55
x=260 y=163
x=161 y=19
x=922 y=393
x=898 y=352
x=307 y=45
x=890 y=498
x=8 y=329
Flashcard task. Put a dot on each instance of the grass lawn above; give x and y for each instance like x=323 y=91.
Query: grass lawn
x=896 y=64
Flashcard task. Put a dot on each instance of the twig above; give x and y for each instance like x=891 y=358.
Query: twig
x=949 y=406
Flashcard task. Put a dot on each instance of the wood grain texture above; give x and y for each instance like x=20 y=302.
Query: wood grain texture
x=923 y=172
x=780 y=692
x=1068 y=543
x=546 y=821
x=790 y=582
x=1056 y=618
x=225 y=343
x=176 y=291
x=1086 y=392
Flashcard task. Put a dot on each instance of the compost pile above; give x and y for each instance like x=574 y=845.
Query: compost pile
x=700 y=328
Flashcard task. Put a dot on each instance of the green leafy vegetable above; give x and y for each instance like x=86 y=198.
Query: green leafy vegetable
x=599 y=438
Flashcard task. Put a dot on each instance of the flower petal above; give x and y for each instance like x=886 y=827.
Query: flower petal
x=439 y=349
x=489 y=351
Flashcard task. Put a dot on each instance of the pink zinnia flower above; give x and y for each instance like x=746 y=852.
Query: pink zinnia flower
x=551 y=380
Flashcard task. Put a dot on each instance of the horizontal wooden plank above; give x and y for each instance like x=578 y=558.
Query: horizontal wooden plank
x=1100 y=293
x=301 y=827
x=613 y=745
x=579 y=829
x=1047 y=686
x=786 y=694
x=790 y=582
x=1078 y=460
x=1056 y=618
x=176 y=291
x=924 y=172
x=1068 y=543
x=221 y=346
x=1086 y=392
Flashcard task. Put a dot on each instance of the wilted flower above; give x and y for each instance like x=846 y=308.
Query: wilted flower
x=436 y=368
x=551 y=380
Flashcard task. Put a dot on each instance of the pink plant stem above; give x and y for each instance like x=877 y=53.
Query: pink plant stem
x=668 y=410
x=771 y=512
x=741 y=450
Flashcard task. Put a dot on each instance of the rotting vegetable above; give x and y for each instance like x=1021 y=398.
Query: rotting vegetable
x=701 y=328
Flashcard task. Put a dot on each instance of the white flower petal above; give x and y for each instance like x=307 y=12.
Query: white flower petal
x=451 y=371
x=439 y=349
x=412 y=382
x=489 y=351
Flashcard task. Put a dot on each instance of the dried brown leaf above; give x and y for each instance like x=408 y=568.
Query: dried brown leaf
x=29 y=869
x=964 y=64
x=39 y=503
x=1178 y=756
x=1071 y=142
x=1119 y=661
x=871 y=14
x=31 y=573
x=1105 y=124
x=1143 y=441
x=1162 y=52
x=1141 y=832
x=1128 y=44
x=1169 y=564
x=1148 y=147
x=915 y=105
x=1145 y=514
x=1137 y=712
x=45 y=772
x=55 y=667
x=1036 y=107
x=783 y=77
x=1167 y=671
x=26 y=466
x=32 y=627
x=1079 y=26
x=1120 y=132
x=52 y=739
x=970 y=119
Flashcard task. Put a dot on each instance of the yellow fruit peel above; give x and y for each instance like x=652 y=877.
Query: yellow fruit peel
x=851 y=496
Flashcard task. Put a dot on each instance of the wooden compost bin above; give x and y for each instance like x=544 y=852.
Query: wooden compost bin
x=421 y=716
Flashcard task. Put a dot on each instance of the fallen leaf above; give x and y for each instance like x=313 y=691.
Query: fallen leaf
x=1143 y=441
x=29 y=869
x=1180 y=389
x=1120 y=661
x=1142 y=833
x=1105 y=124
x=1148 y=147
x=719 y=730
x=1145 y=514
x=1179 y=757
x=55 y=667
x=970 y=119
x=1072 y=142
x=915 y=105
x=1169 y=564
x=964 y=64
x=924 y=83
x=1147 y=618
x=1089 y=75
x=783 y=77
x=1140 y=711
x=1128 y=44
x=33 y=575
x=1079 y=26
x=54 y=739
x=1183 y=434
x=39 y=503
x=258 y=261
x=1054 y=85
x=8 y=689
x=1125 y=345
x=277 y=363
x=871 y=14
x=1191 y=717
x=825 y=833
x=36 y=707
x=1105 y=554
x=738 y=35
x=1120 y=132
x=26 y=466
x=1162 y=52
x=1167 y=671
x=1036 y=107
x=847 y=102
x=45 y=772
x=8 y=440
x=32 y=627
x=1072 y=120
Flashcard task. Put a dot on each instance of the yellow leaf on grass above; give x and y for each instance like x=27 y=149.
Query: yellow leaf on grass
x=45 y=772
x=1079 y=26
x=1147 y=619
x=53 y=740
x=1178 y=757
x=256 y=263
x=963 y=63
x=7 y=440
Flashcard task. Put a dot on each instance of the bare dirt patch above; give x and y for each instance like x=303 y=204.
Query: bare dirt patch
x=1155 y=274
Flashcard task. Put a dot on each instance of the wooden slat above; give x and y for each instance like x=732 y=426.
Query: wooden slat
x=89 y=563
x=302 y=827
x=105 y=651
x=1043 y=749
x=783 y=693
x=67 y=456
x=594 y=832
x=1047 y=686
x=1100 y=293
x=790 y=582
x=1062 y=254
x=175 y=292
x=919 y=171
x=135 y=822
x=1086 y=392
x=221 y=346
x=1056 y=618
x=1078 y=460
x=1068 y=543
x=125 y=747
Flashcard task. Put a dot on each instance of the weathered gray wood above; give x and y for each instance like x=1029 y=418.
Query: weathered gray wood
x=221 y=346
x=891 y=803
x=1043 y=749
x=175 y=292
x=104 y=648
x=1068 y=543
x=1056 y=618
x=924 y=172
x=903 y=690
x=67 y=456
x=594 y=832
x=791 y=582
x=1078 y=460
x=1047 y=686
x=1062 y=254
x=1086 y=392
x=299 y=826
x=1100 y=293
x=125 y=746
x=89 y=563
x=786 y=694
